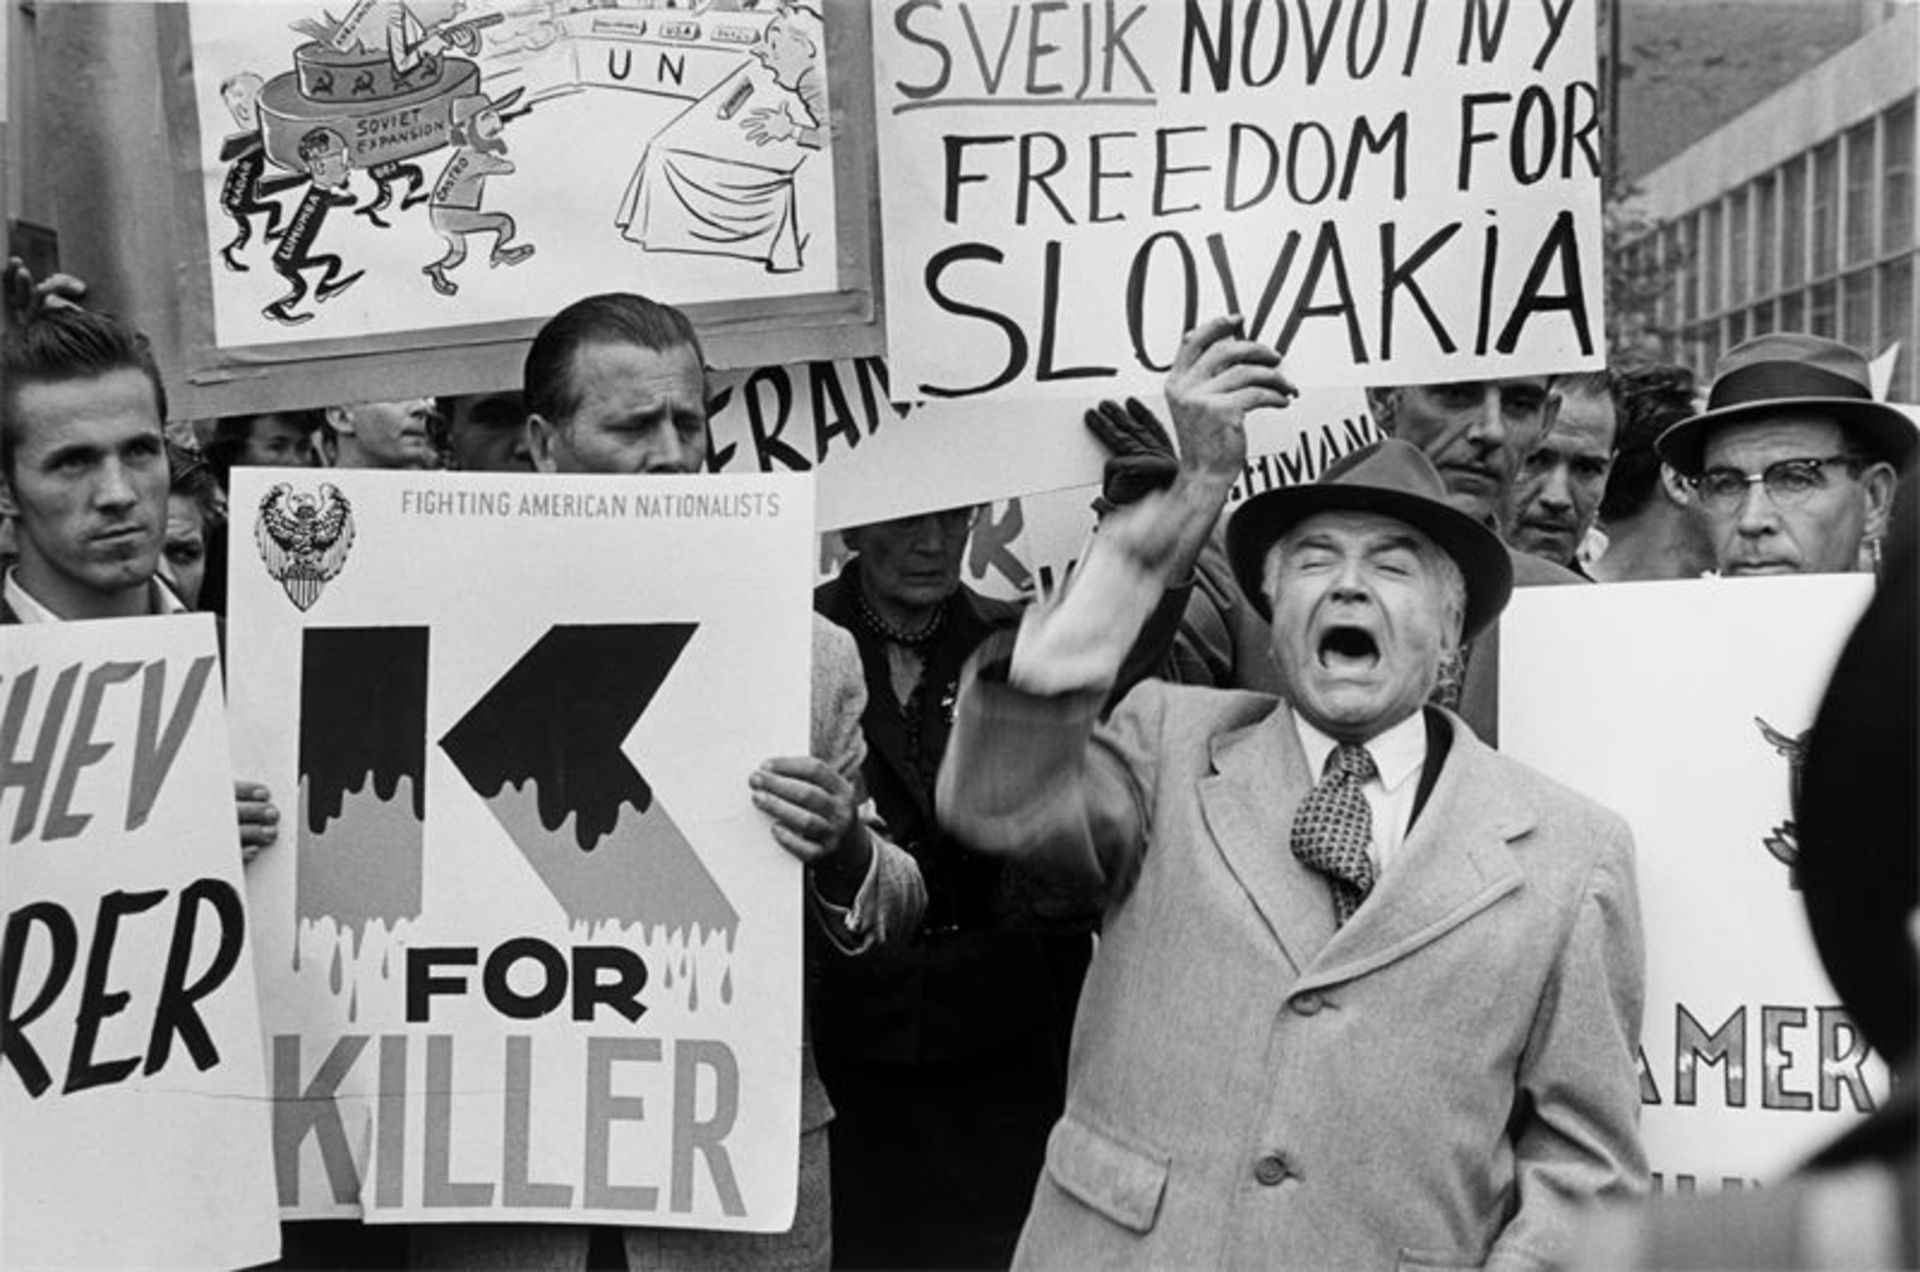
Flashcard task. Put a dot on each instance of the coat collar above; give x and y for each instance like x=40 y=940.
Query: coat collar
x=1455 y=861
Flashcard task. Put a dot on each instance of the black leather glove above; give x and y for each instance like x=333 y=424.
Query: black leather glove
x=1142 y=459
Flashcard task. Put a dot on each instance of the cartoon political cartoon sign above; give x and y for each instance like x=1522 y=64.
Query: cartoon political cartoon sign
x=528 y=951
x=1691 y=703
x=405 y=165
x=133 y=1101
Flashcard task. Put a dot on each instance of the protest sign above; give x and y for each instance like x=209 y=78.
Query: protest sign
x=1683 y=706
x=1389 y=193
x=415 y=165
x=877 y=459
x=133 y=1109
x=530 y=953
x=1028 y=546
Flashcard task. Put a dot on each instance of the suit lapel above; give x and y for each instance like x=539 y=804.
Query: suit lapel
x=1259 y=778
x=885 y=731
x=1454 y=864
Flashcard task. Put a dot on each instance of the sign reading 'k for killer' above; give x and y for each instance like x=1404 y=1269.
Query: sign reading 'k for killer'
x=531 y=953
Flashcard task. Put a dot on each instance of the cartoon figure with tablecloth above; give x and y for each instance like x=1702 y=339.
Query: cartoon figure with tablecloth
x=718 y=180
x=455 y=207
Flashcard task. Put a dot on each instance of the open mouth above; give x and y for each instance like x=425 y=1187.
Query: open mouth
x=1345 y=648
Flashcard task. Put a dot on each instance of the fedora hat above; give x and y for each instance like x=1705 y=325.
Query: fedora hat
x=1788 y=371
x=1391 y=478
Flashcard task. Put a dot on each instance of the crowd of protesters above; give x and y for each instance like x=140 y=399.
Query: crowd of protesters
x=1364 y=990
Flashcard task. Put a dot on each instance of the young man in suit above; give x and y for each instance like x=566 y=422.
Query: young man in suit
x=84 y=477
x=1367 y=991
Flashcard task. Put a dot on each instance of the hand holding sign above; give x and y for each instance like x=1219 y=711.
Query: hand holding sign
x=1217 y=378
x=1148 y=546
x=815 y=811
x=27 y=297
x=259 y=819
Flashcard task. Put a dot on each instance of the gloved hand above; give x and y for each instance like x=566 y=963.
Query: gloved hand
x=1143 y=458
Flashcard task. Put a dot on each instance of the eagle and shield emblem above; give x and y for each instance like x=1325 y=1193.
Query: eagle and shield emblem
x=304 y=538
x=1784 y=840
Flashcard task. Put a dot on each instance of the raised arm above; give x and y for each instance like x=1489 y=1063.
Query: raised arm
x=1081 y=641
x=1026 y=772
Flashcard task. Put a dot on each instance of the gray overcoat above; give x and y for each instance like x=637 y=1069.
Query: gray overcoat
x=1442 y=1082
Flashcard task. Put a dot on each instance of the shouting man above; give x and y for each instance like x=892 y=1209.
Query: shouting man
x=1367 y=992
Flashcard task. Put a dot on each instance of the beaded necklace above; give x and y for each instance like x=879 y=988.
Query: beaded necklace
x=886 y=631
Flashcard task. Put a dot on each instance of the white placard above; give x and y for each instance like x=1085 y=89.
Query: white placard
x=133 y=1109
x=1390 y=193
x=1680 y=705
x=530 y=954
x=877 y=459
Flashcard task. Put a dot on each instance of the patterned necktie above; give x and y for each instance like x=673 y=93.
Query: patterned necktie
x=1332 y=826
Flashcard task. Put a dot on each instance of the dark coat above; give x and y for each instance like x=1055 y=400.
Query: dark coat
x=973 y=984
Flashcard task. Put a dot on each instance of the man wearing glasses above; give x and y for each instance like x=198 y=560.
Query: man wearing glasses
x=1793 y=460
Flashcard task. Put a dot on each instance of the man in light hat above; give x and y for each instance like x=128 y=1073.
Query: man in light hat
x=479 y=152
x=1793 y=460
x=1367 y=992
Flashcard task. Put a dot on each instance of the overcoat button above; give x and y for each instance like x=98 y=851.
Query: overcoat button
x=1270 y=1170
x=1309 y=1003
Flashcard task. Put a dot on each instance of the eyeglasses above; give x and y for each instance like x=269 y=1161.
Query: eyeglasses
x=1788 y=482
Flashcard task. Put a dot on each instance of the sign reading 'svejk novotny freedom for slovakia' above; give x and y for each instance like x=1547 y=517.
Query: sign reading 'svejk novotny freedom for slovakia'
x=1390 y=193
x=529 y=953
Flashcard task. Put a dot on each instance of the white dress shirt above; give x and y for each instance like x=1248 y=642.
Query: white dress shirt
x=29 y=610
x=1398 y=755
